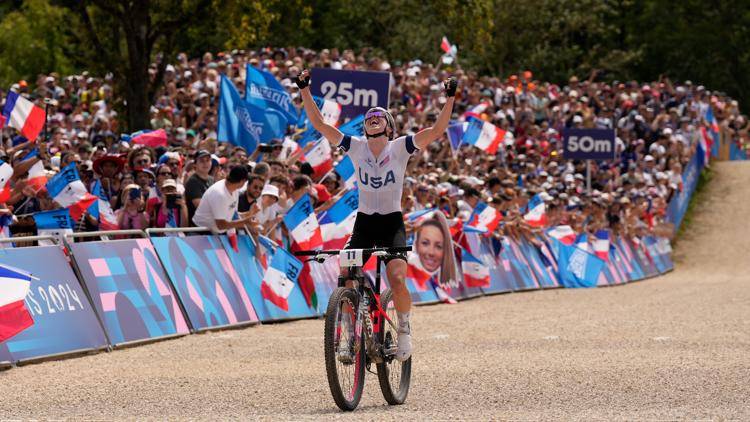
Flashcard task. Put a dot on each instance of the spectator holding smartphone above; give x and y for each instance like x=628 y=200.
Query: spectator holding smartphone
x=133 y=214
x=171 y=206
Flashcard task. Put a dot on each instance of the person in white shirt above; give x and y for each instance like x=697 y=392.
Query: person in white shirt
x=218 y=205
x=380 y=160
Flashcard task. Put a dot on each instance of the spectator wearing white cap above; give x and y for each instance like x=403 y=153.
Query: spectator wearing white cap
x=267 y=211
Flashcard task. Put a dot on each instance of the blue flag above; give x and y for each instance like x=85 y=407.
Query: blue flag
x=244 y=124
x=263 y=90
x=455 y=135
x=345 y=169
x=578 y=268
x=342 y=209
x=94 y=207
x=354 y=127
x=54 y=220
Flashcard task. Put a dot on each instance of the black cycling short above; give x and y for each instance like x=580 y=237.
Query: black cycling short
x=378 y=230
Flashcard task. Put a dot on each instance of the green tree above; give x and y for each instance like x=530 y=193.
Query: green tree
x=33 y=41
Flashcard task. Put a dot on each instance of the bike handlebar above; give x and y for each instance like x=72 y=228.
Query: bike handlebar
x=391 y=250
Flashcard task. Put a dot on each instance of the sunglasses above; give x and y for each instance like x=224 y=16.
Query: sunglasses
x=164 y=173
x=374 y=114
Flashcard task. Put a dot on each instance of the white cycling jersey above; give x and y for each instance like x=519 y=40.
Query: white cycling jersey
x=380 y=180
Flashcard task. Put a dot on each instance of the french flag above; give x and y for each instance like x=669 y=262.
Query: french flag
x=476 y=274
x=441 y=293
x=331 y=110
x=320 y=158
x=582 y=242
x=418 y=216
x=564 y=234
x=67 y=190
x=337 y=223
x=55 y=223
x=268 y=246
x=14 y=316
x=290 y=148
x=345 y=169
x=6 y=173
x=37 y=177
x=477 y=110
x=485 y=218
x=484 y=135
x=23 y=115
x=601 y=244
x=150 y=138
x=713 y=124
x=101 y=209
x=276 y=285
x=303 y=224
x=537 y=215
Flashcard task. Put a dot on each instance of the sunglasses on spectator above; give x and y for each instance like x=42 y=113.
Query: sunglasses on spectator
x=165 y=173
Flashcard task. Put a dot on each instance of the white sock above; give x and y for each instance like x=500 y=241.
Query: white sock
x=403 y=320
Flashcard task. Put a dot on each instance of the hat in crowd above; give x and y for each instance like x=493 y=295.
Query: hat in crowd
x=144 y=170
x=323 y=194
x=119 y=162
x=201 y=153
x=270 y=190
x=169 y=183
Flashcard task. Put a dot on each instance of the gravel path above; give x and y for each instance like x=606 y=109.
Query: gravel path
x=675 y=347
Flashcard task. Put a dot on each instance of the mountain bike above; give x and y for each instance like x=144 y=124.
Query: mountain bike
x=361 y=329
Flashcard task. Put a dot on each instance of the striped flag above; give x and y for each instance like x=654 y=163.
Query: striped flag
x=37 y=177
x=6 y=173
x=14 y=316
x=279 y=279
x=354 y=127
x=601 y=244
x=418 y=216
x=537 y=214
x=476 y=274
x=67 y=190
x=5 y=221
x=150 y=138
x=337 y=223
x=23 y=115
x=484 y=135
x=564 y=234
x=101 y=209
x=320 y=158
x=303 y=224
x=484 y=218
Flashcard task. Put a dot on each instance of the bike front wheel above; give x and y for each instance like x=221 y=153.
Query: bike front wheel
x=344 y=349
x=394 y=376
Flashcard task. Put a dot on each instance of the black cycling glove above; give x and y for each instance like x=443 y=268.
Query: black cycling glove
x=450 y=87
x=302 y=83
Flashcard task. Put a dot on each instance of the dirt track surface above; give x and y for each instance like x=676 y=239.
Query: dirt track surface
x=675 y=347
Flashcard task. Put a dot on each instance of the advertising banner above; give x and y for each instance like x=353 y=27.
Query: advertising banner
x=64 y=320
x=355 y=91
x=679 y=204
x=205 y=280
x=130 y=291
x=252 y=273
x=512 y=255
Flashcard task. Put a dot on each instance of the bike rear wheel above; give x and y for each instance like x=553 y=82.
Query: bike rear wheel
x=344 y=355
x=394 y=376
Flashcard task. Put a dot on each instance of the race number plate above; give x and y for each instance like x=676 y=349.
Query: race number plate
x=350 y=258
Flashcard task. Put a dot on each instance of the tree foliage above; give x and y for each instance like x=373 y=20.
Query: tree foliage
x=624 y=39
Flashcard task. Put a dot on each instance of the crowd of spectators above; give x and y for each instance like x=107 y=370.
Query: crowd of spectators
x=657 y=126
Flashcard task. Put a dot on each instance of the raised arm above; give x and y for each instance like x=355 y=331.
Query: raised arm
x=333 y=135
x=426 y=136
